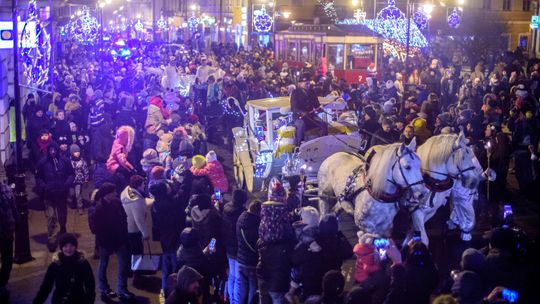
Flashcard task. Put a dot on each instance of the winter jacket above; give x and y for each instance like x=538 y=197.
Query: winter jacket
x=216 y=174
x=72 y=279
x=208 y=223
x=194 y=258
x=231 y=213
x=8 y=212
x=134 y=204
x=201 y=185
x=54 y=175
x=309 y=265
x=247 y=233
x=80 y=169
x=101 y=143
x=168 y=214
x=120 y=149
x=274 y=265
x=102 y=175
x=110 y=221
x=335 y=249
x=97 y=113
x=60 y=130
x=155 y=118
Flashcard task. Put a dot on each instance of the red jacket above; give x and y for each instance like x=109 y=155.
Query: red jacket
x=216 y=174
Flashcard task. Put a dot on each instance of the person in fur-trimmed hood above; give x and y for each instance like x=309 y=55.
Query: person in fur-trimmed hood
x=121 y=147
x=70 y=274
x=214 y=170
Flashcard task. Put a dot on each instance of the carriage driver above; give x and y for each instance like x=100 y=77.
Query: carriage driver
x=304 y=105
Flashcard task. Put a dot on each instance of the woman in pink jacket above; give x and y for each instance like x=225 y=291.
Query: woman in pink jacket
x=214 y=170
x=119 y=152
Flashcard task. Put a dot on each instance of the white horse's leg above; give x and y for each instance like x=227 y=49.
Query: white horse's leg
x=418 y=221
x=373 y=218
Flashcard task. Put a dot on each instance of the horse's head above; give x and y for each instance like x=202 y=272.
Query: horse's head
x=407 y=172
x=461 y=163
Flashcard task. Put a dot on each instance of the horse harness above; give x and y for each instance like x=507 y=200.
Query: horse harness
x=351 y=191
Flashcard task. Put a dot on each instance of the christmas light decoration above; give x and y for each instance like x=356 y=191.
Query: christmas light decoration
x=139 y=26
x=85 y=28
x=35 y=48
x=360 y=15
x=420 y=18
x=454 y=19
x=329 y=9
x=398 y=50
x=162 y=23
x=193 y=23
x=262 y=22
x=390 y=12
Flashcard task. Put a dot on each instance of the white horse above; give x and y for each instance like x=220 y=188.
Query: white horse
x=447 y=162
x=392 y=173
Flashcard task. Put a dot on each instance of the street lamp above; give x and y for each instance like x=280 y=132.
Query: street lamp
x=354 y=2
x=286 y=15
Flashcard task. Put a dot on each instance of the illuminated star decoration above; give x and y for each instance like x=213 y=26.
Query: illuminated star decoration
x=35 y=48
x=262 y=22
x=85 y=28
x=161 y=23
x=360 y=15
x=454 y=19
x=139 y=26
x=193 y=23
x=420 y=18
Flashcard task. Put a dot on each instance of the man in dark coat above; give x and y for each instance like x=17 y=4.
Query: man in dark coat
x=247 y=234
x=231 y=212
x=54 y=176
x=110 y=222
x=168 y=220
x=304 y=102
x=101 y=142
x=187 y=287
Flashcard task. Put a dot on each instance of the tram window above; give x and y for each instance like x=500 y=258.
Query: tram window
x=335 y=55
x=360 y=56
x=292 y=51
x=304 y=51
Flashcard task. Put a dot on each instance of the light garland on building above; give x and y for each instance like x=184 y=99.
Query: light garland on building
x=454 y=19
x=35 y=51
x=162 y=23
x=329 y=9
x=262 y=22
x=193 y=23
x=398 y=50
x=139 y=26
x=85 y=28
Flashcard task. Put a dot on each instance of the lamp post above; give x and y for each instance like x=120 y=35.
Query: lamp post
x=22 y=235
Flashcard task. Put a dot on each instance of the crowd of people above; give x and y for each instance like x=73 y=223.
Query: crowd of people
x=115 y=128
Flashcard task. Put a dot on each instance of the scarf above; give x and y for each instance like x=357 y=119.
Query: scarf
x=43 y=145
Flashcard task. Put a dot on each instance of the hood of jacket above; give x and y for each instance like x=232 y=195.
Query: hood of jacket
x=130 y=195
x=59 y=258
x=125 y=136
x=199 y=215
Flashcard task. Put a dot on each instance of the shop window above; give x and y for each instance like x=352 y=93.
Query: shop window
x=335 y=56
x=360 y=56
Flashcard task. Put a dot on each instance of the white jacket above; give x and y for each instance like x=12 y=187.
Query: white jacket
x=135 y=206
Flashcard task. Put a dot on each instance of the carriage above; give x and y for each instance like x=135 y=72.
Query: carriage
x=264 y=146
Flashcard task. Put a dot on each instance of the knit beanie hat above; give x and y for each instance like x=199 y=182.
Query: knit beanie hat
x=158 y=172
x=150 y=154
x=198 y=161
x=276 y=192
x=211 y=156
x=67 y=238
x=473 y=260
x=310 y=216
x=445 y=118
x=74 y=148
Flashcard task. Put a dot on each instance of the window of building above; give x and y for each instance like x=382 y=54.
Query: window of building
x=507 y=5
x=486 y=4
x=292 y=51
x=526 y=5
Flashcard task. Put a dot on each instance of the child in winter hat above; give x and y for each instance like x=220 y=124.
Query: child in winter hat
x=214 y=170
x=150 y=160
x=82 y=174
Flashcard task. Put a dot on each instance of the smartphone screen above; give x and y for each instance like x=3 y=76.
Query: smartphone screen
x=417 y=237
x=217 y=194
x=381 y=245
x=212 y=245
x=510 y=295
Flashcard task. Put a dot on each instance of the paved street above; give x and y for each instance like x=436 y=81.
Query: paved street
x=26 y=278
